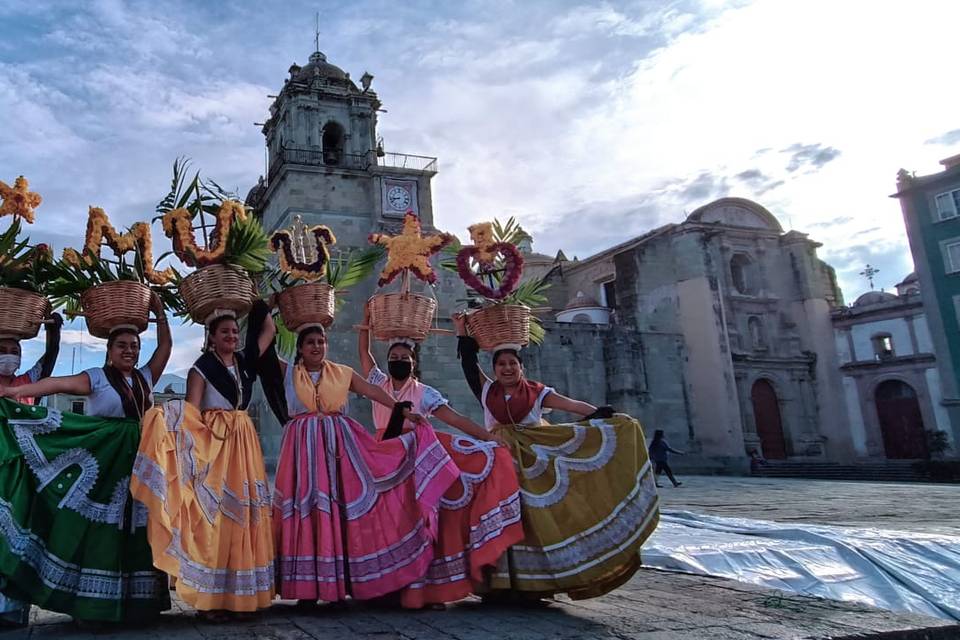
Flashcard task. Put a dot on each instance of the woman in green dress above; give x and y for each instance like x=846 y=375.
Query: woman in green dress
x=72 y=540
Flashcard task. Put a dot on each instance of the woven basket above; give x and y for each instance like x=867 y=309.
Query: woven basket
x=111 y=304
x=401 y=315
x=500 y=324
x=218 y=286
x=311 y=303
x=22 y=313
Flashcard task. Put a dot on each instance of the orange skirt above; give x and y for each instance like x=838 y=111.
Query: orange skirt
x=203 y=481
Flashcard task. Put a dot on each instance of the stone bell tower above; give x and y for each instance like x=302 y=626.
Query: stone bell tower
x=327 y=165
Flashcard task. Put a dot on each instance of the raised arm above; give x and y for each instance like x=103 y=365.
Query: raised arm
x=467 y=349
x=161 y=355
x=367 y=361
x=563 y=403
x=78 y=384
x=49 y=359
x=261 y=330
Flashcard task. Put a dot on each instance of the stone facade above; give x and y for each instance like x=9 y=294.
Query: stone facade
x=720 y=332
x=891 y=383
x=744 y=303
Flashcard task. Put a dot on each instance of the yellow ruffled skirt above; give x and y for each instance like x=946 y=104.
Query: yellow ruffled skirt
x=588 y=502
x=203 y=481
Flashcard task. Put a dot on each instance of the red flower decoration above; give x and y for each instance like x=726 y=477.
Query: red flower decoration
x=512 y=269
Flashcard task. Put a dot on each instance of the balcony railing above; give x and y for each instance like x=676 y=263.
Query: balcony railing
x=408 y=161
x=315 y=157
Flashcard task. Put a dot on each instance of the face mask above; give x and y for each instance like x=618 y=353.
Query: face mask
x=400 y=369
x=9 y=363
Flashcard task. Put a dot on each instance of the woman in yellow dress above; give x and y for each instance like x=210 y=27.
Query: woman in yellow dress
x=200 y=472
x=587 y=491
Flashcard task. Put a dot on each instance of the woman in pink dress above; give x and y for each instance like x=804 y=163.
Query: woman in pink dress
x=352 y=516
x=480 y=514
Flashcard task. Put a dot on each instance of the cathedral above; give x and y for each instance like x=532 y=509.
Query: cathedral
x=717 y=330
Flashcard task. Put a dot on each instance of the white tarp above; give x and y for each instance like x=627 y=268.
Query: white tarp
x=893 y=570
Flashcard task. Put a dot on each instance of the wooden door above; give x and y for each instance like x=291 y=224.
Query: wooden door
x=766 y=413
x=901 y=422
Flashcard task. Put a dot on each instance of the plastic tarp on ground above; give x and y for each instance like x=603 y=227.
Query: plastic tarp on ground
x=893 y=570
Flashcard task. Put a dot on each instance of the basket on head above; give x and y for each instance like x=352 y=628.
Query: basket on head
x=21 y=313
x=310 y=303
x=500 y=324
x=401 y=315
x=111 y=304
x=219 y=286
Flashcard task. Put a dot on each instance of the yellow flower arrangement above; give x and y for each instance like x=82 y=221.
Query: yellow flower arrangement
x=410 y=251
x=99 y=229
x=18 y=200
x=178 y=226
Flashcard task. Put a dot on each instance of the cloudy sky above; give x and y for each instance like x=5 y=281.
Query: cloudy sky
x=625 y=114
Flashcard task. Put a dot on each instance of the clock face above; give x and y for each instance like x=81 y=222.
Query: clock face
x=399 y=198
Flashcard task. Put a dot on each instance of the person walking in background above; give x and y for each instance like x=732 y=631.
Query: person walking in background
x=660 y=451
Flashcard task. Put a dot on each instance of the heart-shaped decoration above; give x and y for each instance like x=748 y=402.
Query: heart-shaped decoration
x=484 y=252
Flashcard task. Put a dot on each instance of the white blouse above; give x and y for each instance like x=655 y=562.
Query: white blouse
x=213 y=399
x=104 y=401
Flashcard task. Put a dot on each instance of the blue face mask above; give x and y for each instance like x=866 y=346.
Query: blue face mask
x=9 y=363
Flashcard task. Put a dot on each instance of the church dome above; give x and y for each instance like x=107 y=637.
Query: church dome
x=873 y=297
x=317 y=67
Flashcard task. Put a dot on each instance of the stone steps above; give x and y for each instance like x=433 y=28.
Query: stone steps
x=892 y=471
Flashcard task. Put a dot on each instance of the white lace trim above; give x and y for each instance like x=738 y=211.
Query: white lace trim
x=67 y=577
x=563 y=465
x=76 y=497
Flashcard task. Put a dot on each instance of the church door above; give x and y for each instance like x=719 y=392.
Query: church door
x=901 y=423
x=766 y=412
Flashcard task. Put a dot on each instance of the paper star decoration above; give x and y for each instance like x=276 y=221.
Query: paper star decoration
x=18 y=200
x=410 y=251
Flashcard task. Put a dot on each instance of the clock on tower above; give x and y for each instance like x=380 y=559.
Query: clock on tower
x=399 y=196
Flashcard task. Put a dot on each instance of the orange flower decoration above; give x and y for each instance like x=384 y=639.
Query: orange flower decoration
x=18 y=200
x=99 y=230
x=410 y=251
x=178 y=226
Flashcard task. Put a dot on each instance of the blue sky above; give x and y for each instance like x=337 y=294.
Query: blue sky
x=629 y=114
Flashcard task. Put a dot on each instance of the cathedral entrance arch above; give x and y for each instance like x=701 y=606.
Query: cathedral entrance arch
x=766 y=414
x=901 y=423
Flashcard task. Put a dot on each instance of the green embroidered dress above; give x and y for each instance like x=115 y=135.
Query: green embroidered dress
x=72 y=539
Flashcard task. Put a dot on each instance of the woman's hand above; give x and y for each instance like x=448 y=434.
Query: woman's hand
x=409 y=414
x=460 y=323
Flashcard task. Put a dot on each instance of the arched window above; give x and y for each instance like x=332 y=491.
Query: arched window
x=757 y=338
x=882 y=346
x=333 y=142
x=743 y=274
x=582 y=318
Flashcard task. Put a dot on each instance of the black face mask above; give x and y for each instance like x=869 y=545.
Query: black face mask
x=400 y=369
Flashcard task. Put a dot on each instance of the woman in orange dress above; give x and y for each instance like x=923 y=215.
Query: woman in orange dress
x=200 y=473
